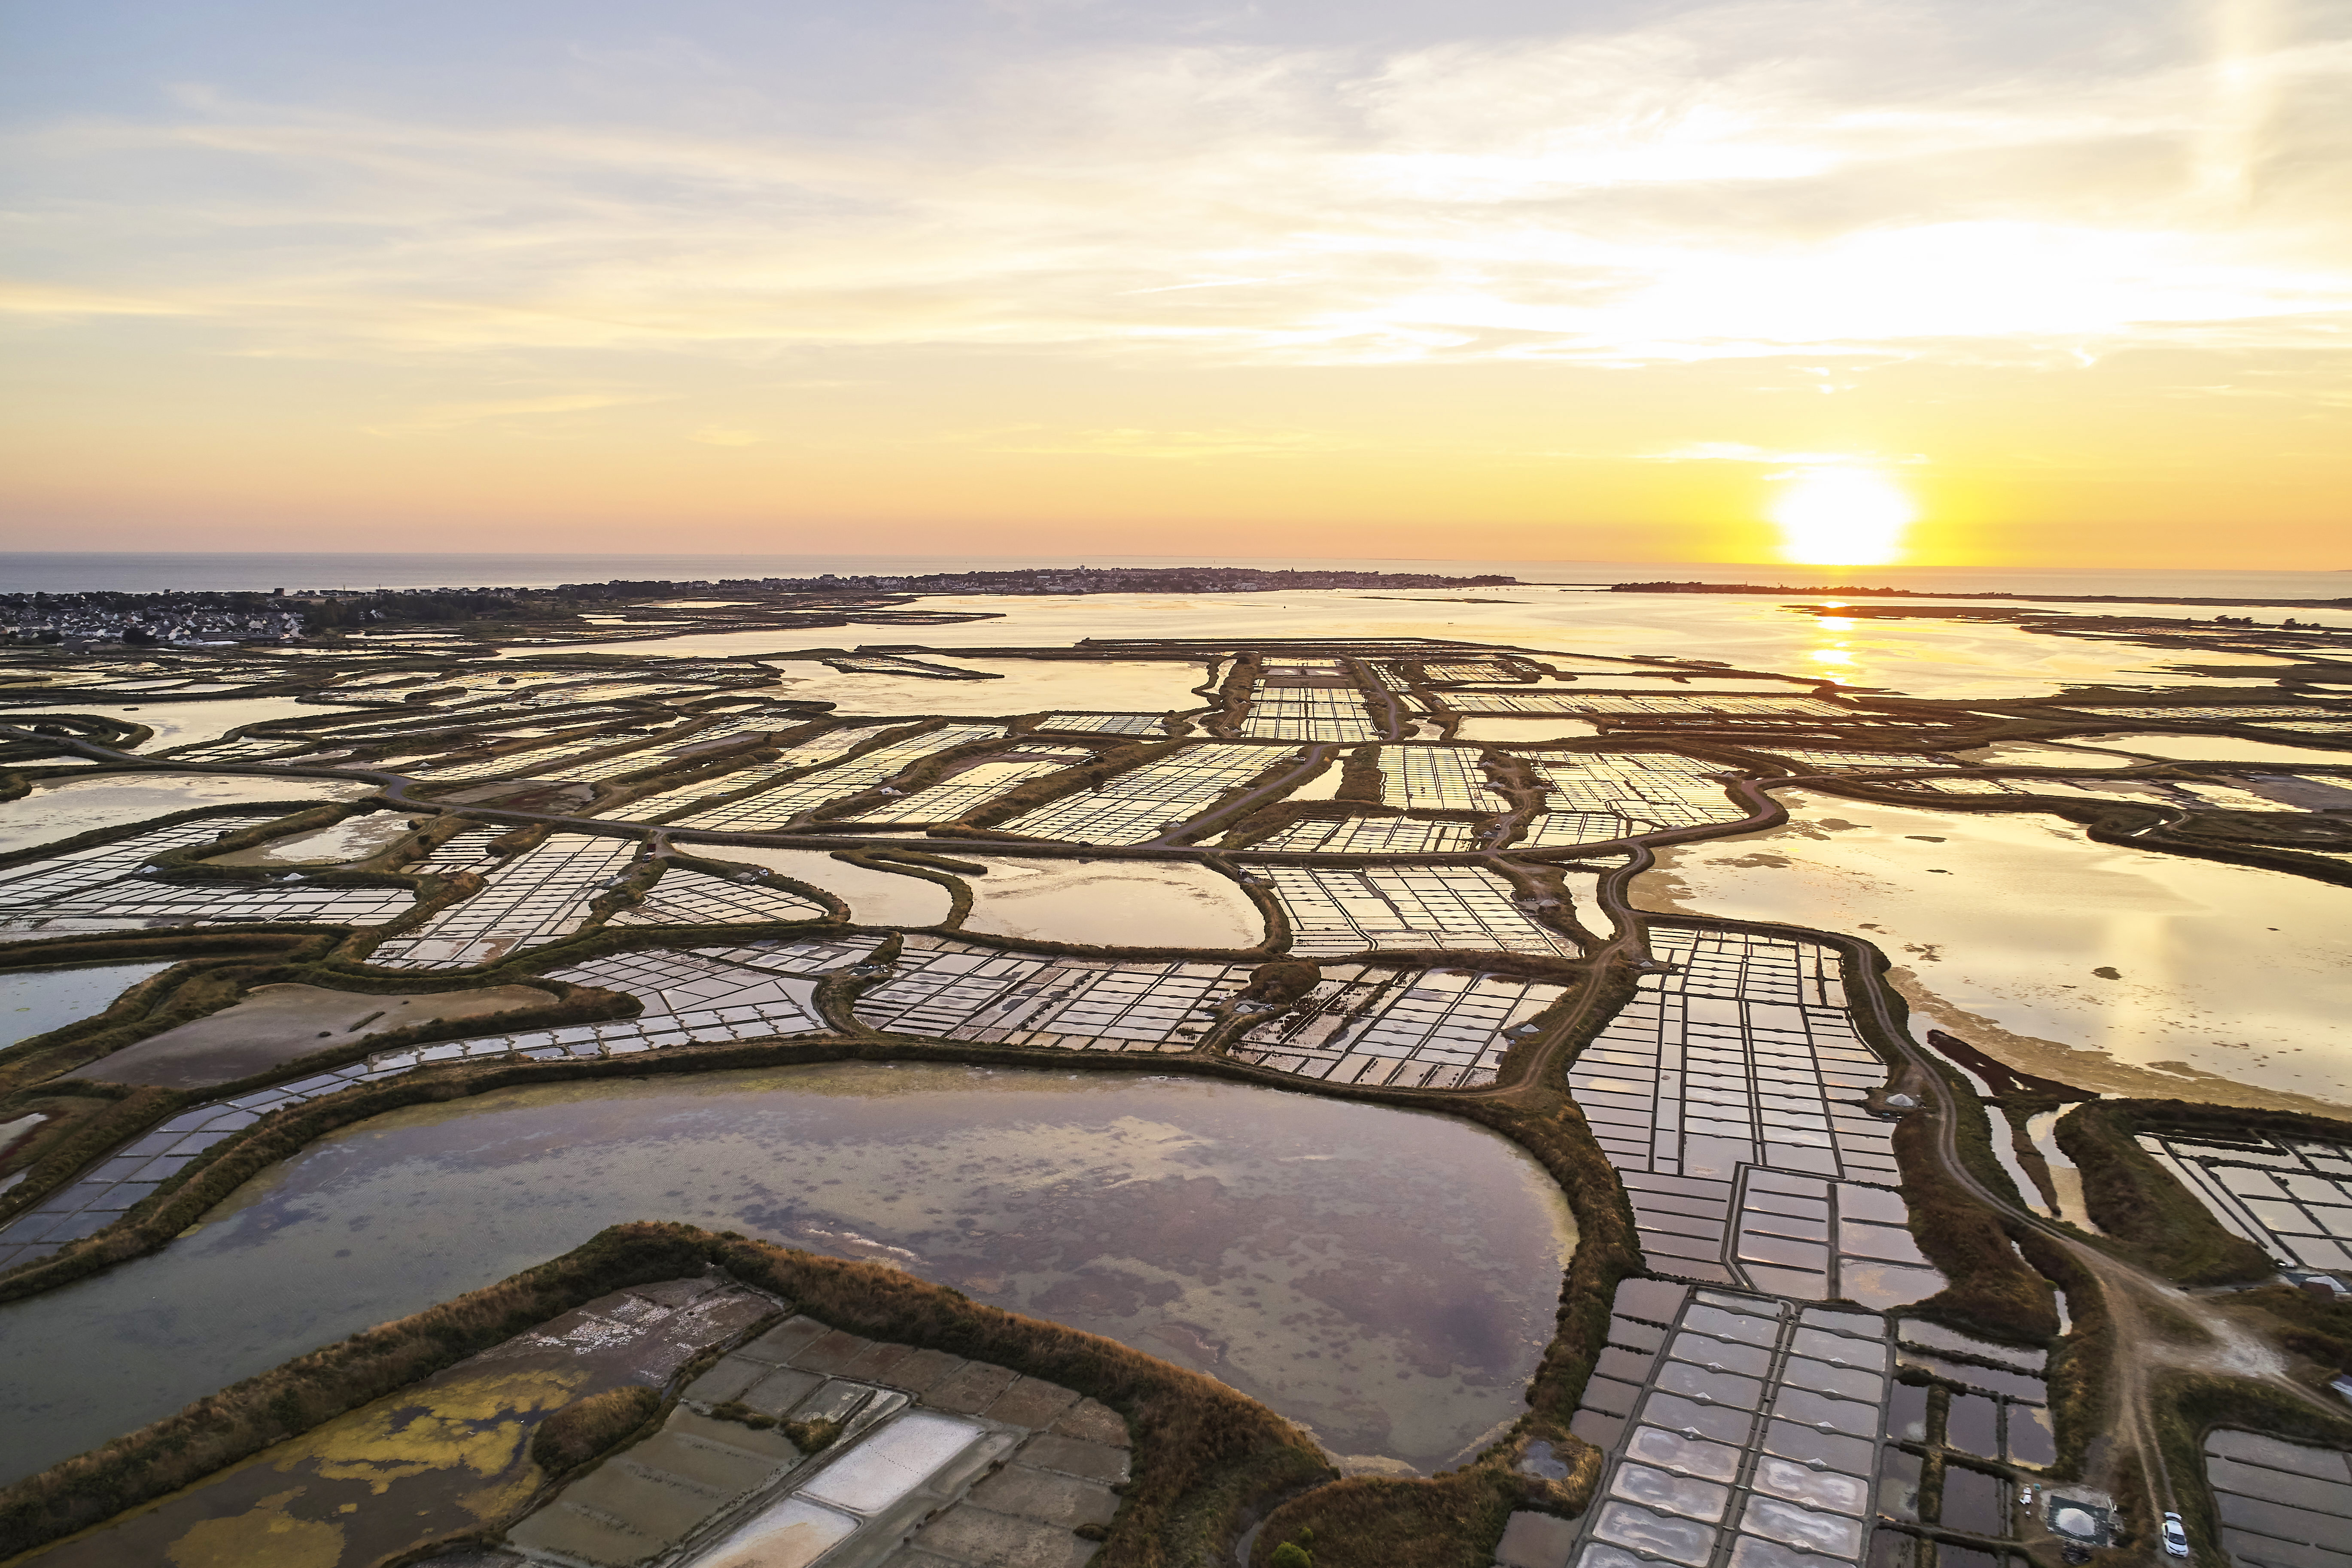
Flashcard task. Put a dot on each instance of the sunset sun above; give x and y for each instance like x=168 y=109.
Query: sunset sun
x=1842 y=517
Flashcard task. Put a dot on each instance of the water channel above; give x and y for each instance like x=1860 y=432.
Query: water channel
x=1386 y=1278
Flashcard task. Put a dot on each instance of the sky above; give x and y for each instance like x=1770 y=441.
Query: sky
x=2030 y=282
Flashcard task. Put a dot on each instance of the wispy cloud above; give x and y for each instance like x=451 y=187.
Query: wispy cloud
x=1040 y=440
x=436 y=417
x=1740 y=452
x=1741 y=180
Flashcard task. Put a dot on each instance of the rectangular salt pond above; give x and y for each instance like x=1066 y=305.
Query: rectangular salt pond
x=792 y=1535
x=893 y=1462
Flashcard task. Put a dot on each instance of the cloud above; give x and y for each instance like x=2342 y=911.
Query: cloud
x=721 y=435
x=66 y=300
x=1740 y=181
x=1039 y=439
x=1740 y=452
x=442 y=417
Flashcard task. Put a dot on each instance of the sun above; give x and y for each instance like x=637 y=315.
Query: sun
x=1842 y=517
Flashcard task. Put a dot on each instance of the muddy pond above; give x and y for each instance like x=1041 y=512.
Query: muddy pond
x=1386 y=1278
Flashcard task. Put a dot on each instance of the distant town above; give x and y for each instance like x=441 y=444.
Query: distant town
x=282 y=615
x=1071 y=579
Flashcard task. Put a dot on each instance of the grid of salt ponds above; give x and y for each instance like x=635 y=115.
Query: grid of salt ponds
x=1562 y=829
x=1655 y=789
x=2289 y=1196
x=987 y=1468
x=694 y=996
x=975 y=786
x=2196 y=794
x=1845 y=759
x=956 y=991
x=1997 y=1409
x=1455 y=907
x=1739 y=1429
x=1372 y=836
x=100 y=888
x=2137 y=712
x=1102 y=723
x=684 y=897
x=2283 y=1505
x=533 y=764
x=1144 y=803
x=1436 y=777
x=532 y=899
x=247 y=747
x=808 y=753
x=1308 y=713
x=1616 y=703
x=771 y=809
x=1728 y=1096
x=1413 y=1028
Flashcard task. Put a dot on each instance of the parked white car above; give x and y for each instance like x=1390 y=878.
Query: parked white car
x=2176 y=1540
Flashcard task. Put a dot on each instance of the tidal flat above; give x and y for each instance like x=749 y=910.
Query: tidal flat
x=2115 y=968
x=1386 y=1278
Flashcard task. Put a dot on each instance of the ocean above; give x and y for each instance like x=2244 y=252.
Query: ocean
x=72 y=572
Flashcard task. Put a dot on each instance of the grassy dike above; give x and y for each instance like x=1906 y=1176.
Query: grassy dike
x=2138 y=1203
x=1201 y=1450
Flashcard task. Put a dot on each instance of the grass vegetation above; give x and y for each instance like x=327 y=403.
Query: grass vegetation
x=582 y=1430
x=1359 y=777
x=2081 y=1364
x=2138 y=1203
x=1990 y=1290
x=811 y=1437
x=1367 y=1521
x=1033 y=793
x=1233 y=694
x=1281 y=982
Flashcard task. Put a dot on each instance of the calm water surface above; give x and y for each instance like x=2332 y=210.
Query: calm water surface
x=37 y=1001
x=2120 y=969
x=1386 y=1278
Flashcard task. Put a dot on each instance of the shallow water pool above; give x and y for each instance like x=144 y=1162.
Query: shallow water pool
x=1386 y=1278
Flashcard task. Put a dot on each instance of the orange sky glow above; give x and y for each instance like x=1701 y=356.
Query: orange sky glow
x=1084 y=279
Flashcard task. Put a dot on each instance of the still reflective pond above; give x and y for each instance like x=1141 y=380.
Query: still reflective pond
x=1385 y=1276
